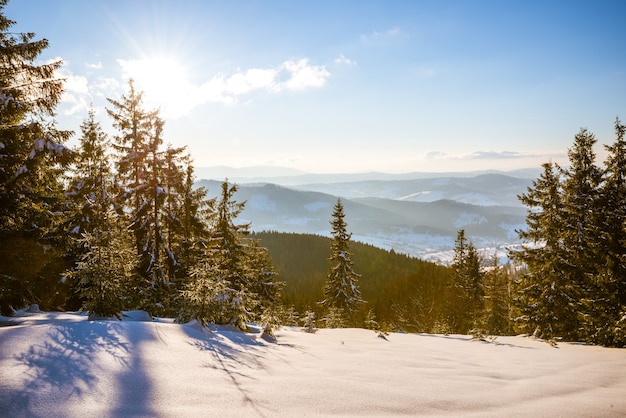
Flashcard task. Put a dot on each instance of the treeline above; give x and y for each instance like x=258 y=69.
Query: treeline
x=401 y=292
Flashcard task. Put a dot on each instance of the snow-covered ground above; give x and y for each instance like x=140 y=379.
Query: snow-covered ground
x=62 y=365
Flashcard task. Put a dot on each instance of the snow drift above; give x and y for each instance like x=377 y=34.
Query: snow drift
x=62 y=365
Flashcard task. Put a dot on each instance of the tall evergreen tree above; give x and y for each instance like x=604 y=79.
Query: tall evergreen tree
x=220 y=289
x=604 y=318
x=544 y=296
x=151 y=181
x=341 y=292
x=31 y=151
x=195 y=214
x=87 y=189
x=265 y=286
x=32 y=154
x=107 y=265
x=581 y=206
x=467 y=287
x=497 y=307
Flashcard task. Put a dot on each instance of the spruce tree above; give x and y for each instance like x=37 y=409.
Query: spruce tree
x=194 y=215
x=105 y=270
x=544 y=295
x=32 y=154
x=581 y=205
x=497 y=307
x=341 y=292
x=87 y=189
x=219 y=290
x=151 y=180
x=467 y=287
x=605 y=307
x=265 y=286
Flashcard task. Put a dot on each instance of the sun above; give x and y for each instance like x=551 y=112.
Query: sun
x=164 y=82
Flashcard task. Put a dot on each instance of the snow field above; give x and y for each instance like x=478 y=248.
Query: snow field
x=62 y=365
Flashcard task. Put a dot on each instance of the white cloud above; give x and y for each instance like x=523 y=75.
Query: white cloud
x=303 y=75
x=381 y=36
x=341 y=59
x=167 y=86
x=95 y=66
x=76 y=92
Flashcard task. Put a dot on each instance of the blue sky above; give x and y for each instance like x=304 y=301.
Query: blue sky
x=348 y=86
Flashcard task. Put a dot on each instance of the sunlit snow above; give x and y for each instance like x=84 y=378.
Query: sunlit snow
x=62 y=365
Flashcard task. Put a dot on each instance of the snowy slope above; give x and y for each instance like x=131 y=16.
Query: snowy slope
x=61 y=365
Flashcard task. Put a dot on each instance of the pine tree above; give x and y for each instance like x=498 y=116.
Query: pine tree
x=544 y=296
x=223 y=277
x=151 y=180
x=31 y=152
x=341 y=291
x=497 y=308
x=105 y=271
x=467 y=287
x=194 y=214
x=264 y=286
x=605 y=308
x=86 y=192
x=581 y=205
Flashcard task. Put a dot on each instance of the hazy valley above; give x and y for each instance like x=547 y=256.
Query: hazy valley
x=417 y=214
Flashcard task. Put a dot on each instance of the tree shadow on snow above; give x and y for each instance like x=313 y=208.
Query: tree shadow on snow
x=469 y=338
x=134 y=385
x=232 y=351
x=63 y=368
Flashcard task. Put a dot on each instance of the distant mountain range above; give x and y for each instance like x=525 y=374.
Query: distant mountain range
x=415 y=216
x=290 y=177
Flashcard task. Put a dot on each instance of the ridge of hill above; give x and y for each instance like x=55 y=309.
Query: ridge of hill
x=424 y=229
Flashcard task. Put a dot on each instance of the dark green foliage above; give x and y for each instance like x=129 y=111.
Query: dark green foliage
x=155 y=200
x=31 y=150
x=342 y=295
x=32 y=159
x=235 y=282
x=496 y=318
x=604 y=302
x=105 y=271
x=574 y=278
x=466 y=292
x=400 y=290
x=545 y=297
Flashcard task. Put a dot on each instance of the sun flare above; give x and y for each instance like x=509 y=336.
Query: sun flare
x=164 y=81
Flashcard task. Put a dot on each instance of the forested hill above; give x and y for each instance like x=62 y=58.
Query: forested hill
x=390 y=282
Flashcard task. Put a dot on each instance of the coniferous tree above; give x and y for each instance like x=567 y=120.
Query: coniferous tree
x=497 y=307
x=151 y=180
x=580 y=203
x=195 y=213
x=86 y=192
x=32 y=154
x=220 y=288
x=605 y=308
x=341 y=292
x=467 y=287
x=544 y=297
x=105 y=269
x=264 y=286
x=133 y=124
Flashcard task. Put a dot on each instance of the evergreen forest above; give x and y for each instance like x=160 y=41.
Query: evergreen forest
x=118 y=223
